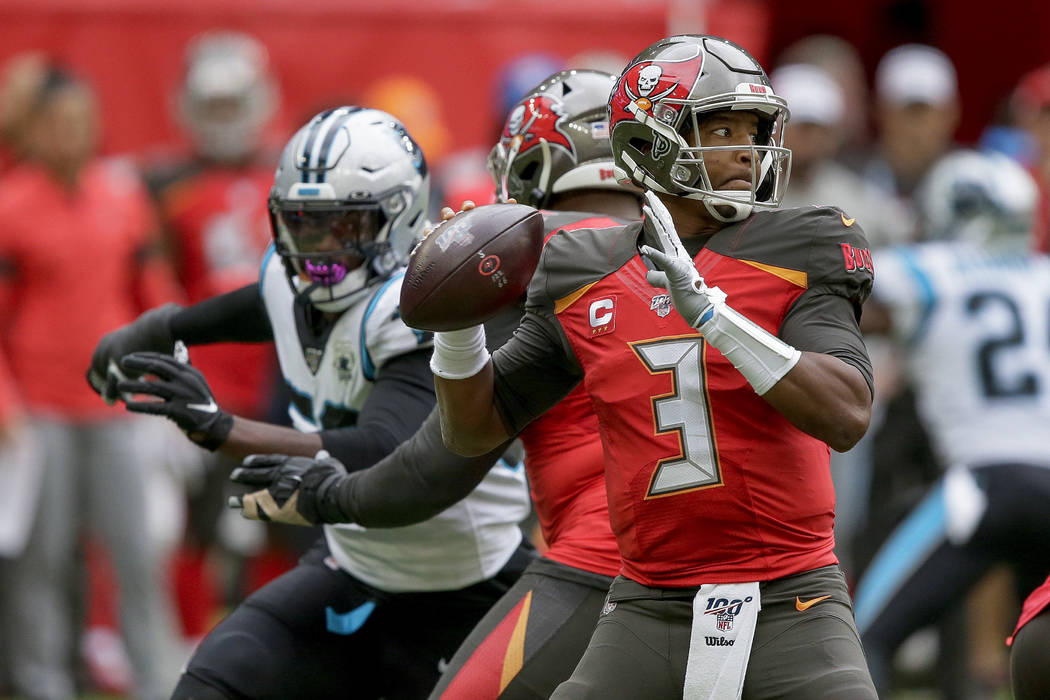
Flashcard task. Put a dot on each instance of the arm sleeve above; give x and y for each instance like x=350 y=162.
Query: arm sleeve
x=826 y=323
x=235 y=317
x=826 y=317
x=402 y=397
x=533 y=371
x=417 y=481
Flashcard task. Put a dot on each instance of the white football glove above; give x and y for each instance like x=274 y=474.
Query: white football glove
x=675 y=272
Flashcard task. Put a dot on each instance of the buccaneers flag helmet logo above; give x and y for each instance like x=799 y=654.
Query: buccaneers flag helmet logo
x=644 y=85
x=533 y=119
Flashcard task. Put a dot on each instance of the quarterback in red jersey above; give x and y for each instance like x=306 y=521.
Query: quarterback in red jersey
x=719 y=344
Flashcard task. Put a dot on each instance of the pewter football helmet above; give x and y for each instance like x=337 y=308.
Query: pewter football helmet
x=556 y=139
x=654 y=113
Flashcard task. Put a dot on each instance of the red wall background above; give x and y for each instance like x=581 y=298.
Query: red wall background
x=321 y=49
x=335 y=49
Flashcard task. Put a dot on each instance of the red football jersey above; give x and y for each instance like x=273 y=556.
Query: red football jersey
x=707 y=483
x=1034 y=604
x=566 y=466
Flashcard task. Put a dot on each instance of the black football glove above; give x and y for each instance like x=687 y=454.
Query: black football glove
x=184 y=396
x=150 y=331
x=296 y=490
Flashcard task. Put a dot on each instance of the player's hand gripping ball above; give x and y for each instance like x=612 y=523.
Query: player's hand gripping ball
x=471 y=267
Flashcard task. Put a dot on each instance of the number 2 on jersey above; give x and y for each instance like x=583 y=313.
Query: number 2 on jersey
x=1001 y=375
x=686 y=411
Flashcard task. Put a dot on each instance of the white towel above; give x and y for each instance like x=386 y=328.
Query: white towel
x=724 y=619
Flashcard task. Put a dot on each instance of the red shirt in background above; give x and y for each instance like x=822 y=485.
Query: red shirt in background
x=219 y=225
x=78 y=263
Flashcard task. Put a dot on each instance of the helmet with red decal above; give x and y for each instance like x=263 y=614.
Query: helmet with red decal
x=556 y=139
x=655 y=112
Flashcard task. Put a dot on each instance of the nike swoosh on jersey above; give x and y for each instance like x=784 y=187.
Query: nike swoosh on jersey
x=847 y=222
x=803 y=606
x=209 y=407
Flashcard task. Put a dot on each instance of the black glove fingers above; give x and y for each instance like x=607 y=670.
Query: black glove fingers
x=264 y=460
x=156 y=363
x=161 y=390
x=153 y=408
x=254 y=476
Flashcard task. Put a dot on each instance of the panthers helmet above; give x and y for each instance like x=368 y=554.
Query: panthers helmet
x=985 y=198
x=556 y=139
x=227 y=95
x=348 y=203
x=656 y=106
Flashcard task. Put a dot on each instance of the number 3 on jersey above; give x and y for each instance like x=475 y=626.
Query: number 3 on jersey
x=686 y=411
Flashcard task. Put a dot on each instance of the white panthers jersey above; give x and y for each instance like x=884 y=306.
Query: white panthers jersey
x=976 y=334
x=463 y=545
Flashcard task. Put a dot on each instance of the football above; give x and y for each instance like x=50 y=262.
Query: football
x=471 y=266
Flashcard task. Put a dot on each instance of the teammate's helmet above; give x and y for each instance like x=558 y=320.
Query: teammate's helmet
x=349 y=201
x=654 y=111
x=227 y=95
x=986 y=198
x=556 y=139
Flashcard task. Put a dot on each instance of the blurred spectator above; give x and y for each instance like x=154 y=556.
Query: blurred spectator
x=213 y=211
x=77 y=239
x=814 y=133
x=841 y=61
x=19 y=82
x=917 y=112
x=1031 y=108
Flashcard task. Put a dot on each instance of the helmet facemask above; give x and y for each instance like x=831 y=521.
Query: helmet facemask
x=680 y=168
x=769 y=163
x=335 y=251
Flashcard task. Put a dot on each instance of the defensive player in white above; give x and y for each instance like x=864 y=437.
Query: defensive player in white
x=371 y=613
x=971 y=310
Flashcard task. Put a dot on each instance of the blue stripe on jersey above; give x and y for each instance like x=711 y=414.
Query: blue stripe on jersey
x=305 y=401
x=517 y=467
x=900 y=556
x=927 y=294
x=367 y=367
x=349 y=622
x=266 y=261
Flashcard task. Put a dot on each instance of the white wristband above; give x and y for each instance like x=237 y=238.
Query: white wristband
x=459 y=354
x=757 y=354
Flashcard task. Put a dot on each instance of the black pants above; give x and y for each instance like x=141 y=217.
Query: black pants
x=318 y=632
x=919 y=574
